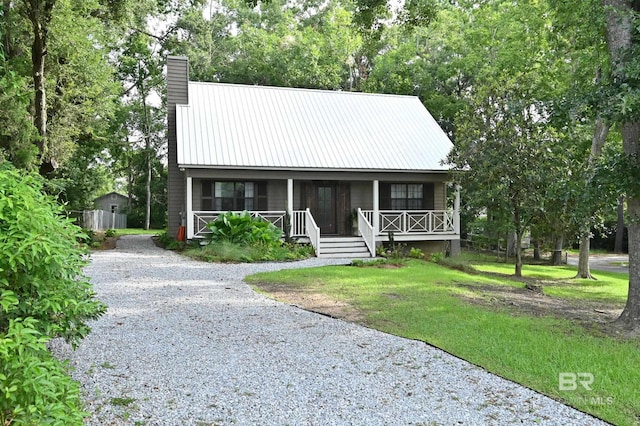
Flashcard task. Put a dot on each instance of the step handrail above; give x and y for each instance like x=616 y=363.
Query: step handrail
x=313 y=231
x=368 y=234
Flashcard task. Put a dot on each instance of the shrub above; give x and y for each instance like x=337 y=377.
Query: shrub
x=242 y=228
x=437 y=257
x=109 y=233
x=44 y=294
x=35 y=386
x=168 y=242
x=416 y=253
x=226 y=251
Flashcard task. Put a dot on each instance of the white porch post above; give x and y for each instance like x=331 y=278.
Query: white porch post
x=456 y=211
x=376 y=207
x=189 y=208
x=455 y=243
x=290 y=204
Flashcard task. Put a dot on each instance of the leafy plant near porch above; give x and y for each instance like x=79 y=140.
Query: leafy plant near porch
x=244 y=229
x=238 y=237
x=43 y=294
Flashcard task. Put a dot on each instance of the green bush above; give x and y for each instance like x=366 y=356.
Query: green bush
x=34 y=386
x=226 y=251
x=437 y=257
x=416 y=253
x=168 y=242
x=242 y=228
x=43 y=294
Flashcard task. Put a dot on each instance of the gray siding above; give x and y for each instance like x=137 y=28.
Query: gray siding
x=197 y=194
x=440 y=196
x=277 y=194
x=177 y=93
x=362 y=195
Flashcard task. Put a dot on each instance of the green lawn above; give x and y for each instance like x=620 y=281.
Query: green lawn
x=558 y=281
x=427 y=302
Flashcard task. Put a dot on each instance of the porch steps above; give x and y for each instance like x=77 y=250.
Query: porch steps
x=350 y=247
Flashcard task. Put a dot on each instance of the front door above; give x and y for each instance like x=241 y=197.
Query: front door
x=325 y=211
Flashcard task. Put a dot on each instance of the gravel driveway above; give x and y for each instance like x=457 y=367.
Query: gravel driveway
x=188 y=343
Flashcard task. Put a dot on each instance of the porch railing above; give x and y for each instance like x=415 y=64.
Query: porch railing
x=414 y=221
x=367 y=231
x=312 y=231
x=298 y=226
x=303 y=224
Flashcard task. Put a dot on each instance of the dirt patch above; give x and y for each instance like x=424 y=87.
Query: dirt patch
x=596 y=317
x=107 y=243
x=100 y=242
x=313 y=301
x=523 y=301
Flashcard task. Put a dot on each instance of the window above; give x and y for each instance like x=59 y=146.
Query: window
x=114 y=208
x=406 y=196
x=234 y=196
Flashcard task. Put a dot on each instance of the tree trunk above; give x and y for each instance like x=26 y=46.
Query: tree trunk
x=147 y=220
x=556 y=258
x=6 y=39
x=147 y=146
x=600 y=132
x=511 y=244
x=618 y=248
x=536 y=249
x=518 y=253
x=38 y=52
x=518 y=241
x=583 y=258
x=620 y=22
x=630 y=317
x=39 y=13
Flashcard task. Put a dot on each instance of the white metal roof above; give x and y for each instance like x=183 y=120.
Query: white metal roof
x=237 y=126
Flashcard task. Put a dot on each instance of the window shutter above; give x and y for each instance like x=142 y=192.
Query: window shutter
x=261 y=196
x=384 y=192
x=428 y=199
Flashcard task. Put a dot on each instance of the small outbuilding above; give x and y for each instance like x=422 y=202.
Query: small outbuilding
x=112 y=202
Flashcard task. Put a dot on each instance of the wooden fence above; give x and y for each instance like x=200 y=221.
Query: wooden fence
x=98 y=220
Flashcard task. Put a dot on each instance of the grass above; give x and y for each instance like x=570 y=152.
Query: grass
x=122 y=402
x=137 y=231
x=423 y=301
x=610 y=287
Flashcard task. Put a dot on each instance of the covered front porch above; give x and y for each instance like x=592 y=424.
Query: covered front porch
x=331 y=214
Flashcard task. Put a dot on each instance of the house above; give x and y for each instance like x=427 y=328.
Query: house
x=342 y=170
x=112 y=202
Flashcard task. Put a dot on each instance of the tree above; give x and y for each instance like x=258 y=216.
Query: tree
x=17 y=133
x=623 y=45
x=277 y=44
x=39 y=13
x=71 y=80
x=500 y=148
